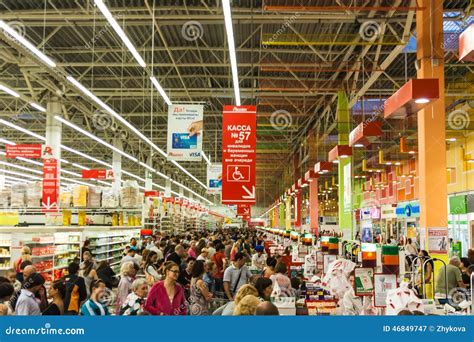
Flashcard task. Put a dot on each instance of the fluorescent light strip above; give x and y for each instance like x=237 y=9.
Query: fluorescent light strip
x=19 y=167
x=21 y=180
x=188 y=173
x=208 y=161
x=80 y=166
x=21 y=129
x=75 y=174
x=116 y=115
x=27 y=44
x=93 y=137
x=37 y=106
x=9 y=91
x=146 y=166
x=160 y=90
x=6 y=142
x=21 y=174
x=110 y=18
x=30 y=161
x=231 y=45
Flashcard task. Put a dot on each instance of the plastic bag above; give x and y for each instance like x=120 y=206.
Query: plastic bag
x=402 y=298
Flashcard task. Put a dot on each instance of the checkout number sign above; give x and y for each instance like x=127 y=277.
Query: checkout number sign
x=239 y=138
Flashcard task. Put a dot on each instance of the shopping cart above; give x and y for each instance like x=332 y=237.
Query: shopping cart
x=217 y=302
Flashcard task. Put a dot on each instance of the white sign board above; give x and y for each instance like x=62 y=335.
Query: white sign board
x=214 y=178
x=185 y=129
x=347 y=188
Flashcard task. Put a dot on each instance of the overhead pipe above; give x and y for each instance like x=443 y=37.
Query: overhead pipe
x=339 y=8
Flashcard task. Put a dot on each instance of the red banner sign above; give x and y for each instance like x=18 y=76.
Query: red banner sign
x=152 y=193
x=50 y=185
x=239 y=139
x=243 y=210
x=98 y=174
x=23 y=150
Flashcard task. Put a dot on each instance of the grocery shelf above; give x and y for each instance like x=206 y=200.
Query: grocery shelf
x=107 y=244
x=66 y=252
x=115 y=263
x=39 y=229
x=5 y=256
x=106 y=259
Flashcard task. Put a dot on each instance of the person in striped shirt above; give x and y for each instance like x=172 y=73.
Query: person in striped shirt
x=96 y=304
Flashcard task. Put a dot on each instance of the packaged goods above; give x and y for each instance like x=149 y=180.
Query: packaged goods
x=79 y=196
x=110 y=198
x=130 y=194
x=18 y=196
x=65 y=198
x=5 y=198
x=94 y=197
x=33 y=195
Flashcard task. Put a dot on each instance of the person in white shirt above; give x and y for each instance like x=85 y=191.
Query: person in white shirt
x=204 y=255
x=27 y=304
x=210 y=251
x=131 y=256
x=259 y=259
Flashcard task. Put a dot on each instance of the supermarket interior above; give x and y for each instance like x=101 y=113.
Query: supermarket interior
x=245 y=157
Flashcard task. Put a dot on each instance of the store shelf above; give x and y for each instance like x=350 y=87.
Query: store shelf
x=66 y=252
x=115 y=263
x=106 y=259
x=5 y=256
x=38 y=242
x=39 y=229
x=107 y=244
x=67 y=243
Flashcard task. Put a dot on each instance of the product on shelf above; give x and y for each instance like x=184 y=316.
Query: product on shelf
x=130 y=195
x=33 y=195
x=65 y=198
x=5 y=198
x=18 y=195
x=94 y=197
x=79 y=196
x=110 y=198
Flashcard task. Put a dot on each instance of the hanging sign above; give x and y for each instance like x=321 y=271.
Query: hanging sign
x=214 y=178
x=23 y=150
x=50 y=185
x=364 y=281
x=98 y=174
x=239 y=138
x=185 y=129
x=243 y=210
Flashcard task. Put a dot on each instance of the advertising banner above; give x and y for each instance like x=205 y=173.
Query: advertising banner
x=239 y=138
x=214 y=178
x=23 y=150
x=185 y=129
x=438 y=240
x=98 y=174
x=383 y=283
x=50 y=185
x=364 y=281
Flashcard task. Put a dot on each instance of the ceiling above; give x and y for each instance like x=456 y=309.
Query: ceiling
x=291 y=62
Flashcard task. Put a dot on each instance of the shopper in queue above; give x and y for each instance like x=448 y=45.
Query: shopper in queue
x=228 y=308
x=259 y=258
x=27 y=303
x=88 y=271
x=166 y=297
x=454 y=278
x=426 y=267
x=200 y=296
x=130 y=256
x=25 y=256
x=247 y=306
x=267 y=309
x=135 y=302
x=6 y=292
x=93 y=306
x=264 y=287
x=57 y=293
x=220 y=263
x=235 y=276
x=280 y=277
x=151 y=268
x=76 y=291
x=128 y=271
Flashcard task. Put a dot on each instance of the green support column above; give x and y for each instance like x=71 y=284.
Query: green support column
x=282 y=215
x=288 y=212
x=344 y=168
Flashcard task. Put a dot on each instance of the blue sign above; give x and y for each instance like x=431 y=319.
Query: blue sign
x=411 y=209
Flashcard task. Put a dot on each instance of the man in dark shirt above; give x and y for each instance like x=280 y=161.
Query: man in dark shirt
x=76 y=291
x=177 y=256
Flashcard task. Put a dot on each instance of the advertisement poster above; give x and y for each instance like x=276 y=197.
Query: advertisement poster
x=239 y=139
x=214 y=179
x=98 y=174
x=185 y=129
x=364 y=281
x=347 y=188
x=438 y=240
x=23 y=150
x=383 y=284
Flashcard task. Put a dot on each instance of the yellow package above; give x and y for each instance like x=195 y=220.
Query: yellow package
x=79 y=196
